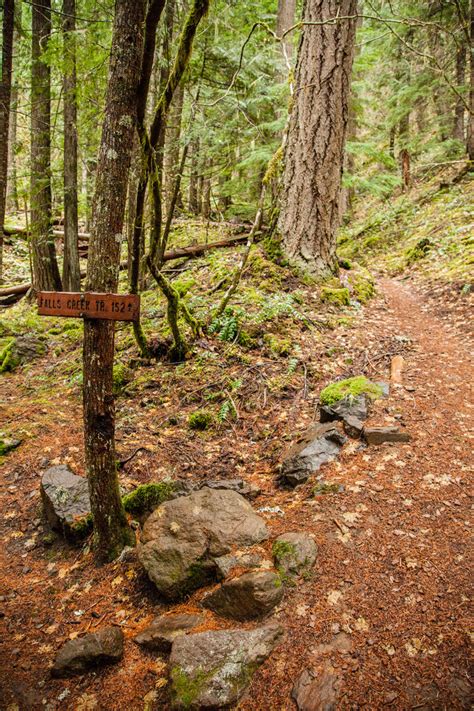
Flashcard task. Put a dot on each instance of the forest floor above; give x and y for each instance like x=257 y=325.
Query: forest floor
x=386 y=612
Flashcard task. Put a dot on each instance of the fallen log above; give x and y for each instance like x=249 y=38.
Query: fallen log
x=11 y=231
x=192 y=251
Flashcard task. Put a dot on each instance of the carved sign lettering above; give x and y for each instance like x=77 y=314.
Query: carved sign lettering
x=116 y=307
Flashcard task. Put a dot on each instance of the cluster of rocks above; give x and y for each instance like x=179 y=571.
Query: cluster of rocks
x=189 y=542
x=321 y=442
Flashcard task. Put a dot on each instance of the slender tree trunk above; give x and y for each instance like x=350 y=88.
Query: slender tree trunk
x=5 y=97
x=45 y=267
x=470 y=139
x=71 y=269
x=13 y=202
x=315 y=147
x=111 y=532
x=206 y=191
x=172 y=143
x=285 y=20
x=193 y=206
x=458 y=128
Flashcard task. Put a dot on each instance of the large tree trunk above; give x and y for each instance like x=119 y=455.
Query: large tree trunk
x=111 y=532
x=285 y=20
x=314 y=152
x=45 y=268
x=71 y=269
x=5 y=97
x=470 y=132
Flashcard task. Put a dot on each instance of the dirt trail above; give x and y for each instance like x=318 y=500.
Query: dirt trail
x=388 y=603
x=393 y=581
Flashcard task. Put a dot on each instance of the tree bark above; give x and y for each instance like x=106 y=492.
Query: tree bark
x=5 y=98
x=458 y=128
x=314 y=152
x=172 y=145
x=71 y=269
x=285 y=20
x=13 y=202
x=193 y=206
x=111 y=532
x=470 y=138
x=45 y=267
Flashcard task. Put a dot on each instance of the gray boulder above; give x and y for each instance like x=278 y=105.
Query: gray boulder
x=92 y=650
x=211 y=670
x=161 y=633
x=7 y=445
x=353 y=411
x=247 y=597
x=319 y=444
x=65 y=498
x=181 y=539
x=294 y=553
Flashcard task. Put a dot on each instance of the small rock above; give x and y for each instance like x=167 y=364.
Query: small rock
x=160 y=635
x=226 y=563
x=7 y=445
x=319 y=444
x=379 y=435
x=317 y=690
x=128 y=555
x=79 y=655
x=213 y=669
x=239 y=485
x=247 y=597
x=353 y=426
x=65 y=497
x=347 y=407
x=294 y=552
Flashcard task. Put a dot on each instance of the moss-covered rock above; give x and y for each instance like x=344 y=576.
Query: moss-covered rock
x=147 y=497
x=7 y=445
x=419 y=251
x=336 y=296
x=200 y=420
x=362 y=284
x=352 y=387
x=278 y=346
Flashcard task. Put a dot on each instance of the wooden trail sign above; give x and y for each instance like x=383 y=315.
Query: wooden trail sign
x=115 y=307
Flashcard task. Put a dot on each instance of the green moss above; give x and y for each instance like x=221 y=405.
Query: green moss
x=351 y=387
x=278 y=346
x=8 y=360
x=339 y=297
x=183 y=285
x=147 y=497
x=363 y=285
x=281 y=549
x=121 y=377
x=81 y=527
x=200 y=420
x=186 y=687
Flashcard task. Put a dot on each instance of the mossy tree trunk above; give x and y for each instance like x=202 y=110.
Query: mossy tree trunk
x=111 y=531
x=5 y=97
x=45 y=267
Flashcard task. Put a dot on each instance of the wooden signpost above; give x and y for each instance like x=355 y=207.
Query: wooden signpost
x=115 y=307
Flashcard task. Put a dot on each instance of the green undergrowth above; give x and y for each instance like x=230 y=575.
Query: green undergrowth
x=429 y=230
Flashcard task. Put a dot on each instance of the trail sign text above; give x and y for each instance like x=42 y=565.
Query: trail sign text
x=116 y=307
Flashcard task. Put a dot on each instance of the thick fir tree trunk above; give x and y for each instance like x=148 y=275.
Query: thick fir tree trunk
x=111 y=532
x=45 y=267
x=71 y=269
x=5 y=97
x=314 y=152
